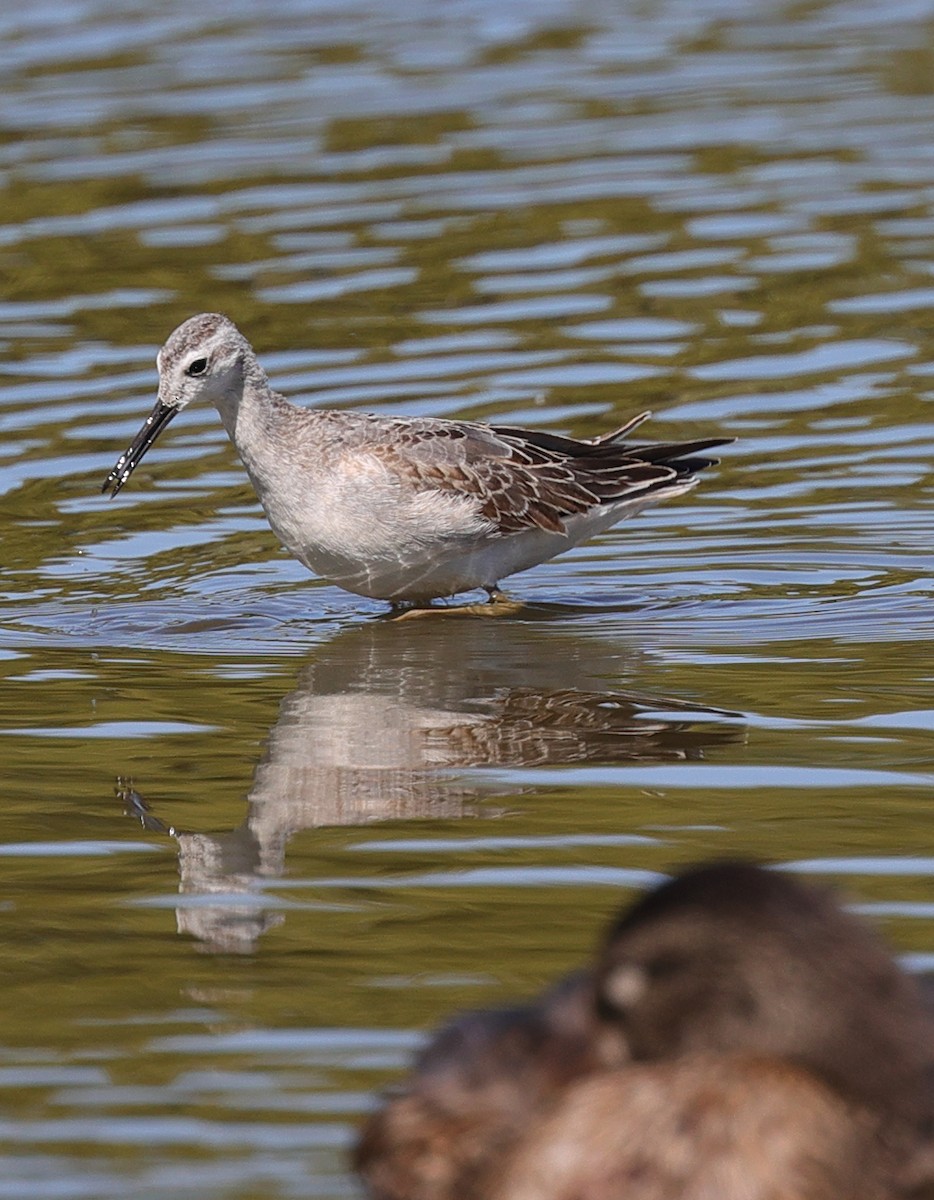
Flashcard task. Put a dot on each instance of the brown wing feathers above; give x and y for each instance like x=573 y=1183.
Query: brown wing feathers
x=548 y=478
x=526 y=478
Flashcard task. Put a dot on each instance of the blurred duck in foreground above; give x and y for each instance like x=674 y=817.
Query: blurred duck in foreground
x=740 y=1037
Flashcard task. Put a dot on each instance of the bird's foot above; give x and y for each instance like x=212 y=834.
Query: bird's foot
x=498 y=605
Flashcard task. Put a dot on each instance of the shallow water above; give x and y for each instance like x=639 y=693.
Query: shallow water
x=254 y=840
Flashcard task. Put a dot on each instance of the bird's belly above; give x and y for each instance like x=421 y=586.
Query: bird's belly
x=385 y=542
x=371 y=534
x=410 y=572
x=419 y=572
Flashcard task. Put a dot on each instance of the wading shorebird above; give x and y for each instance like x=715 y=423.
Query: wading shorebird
x=407 y=509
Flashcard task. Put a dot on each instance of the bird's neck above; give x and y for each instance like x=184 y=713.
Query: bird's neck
x=245 y=401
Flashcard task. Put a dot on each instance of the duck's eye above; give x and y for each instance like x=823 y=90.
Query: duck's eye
x=664 y=966
x=198 y=367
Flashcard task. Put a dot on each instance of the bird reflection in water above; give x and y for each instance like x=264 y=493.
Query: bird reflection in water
x=379 y=727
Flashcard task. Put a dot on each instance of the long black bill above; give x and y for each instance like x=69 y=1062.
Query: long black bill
x=130 y=459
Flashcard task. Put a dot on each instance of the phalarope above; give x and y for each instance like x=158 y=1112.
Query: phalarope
x=407 y=509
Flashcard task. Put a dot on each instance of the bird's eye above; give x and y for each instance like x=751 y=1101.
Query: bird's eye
x=198 y=367
x=664 y=966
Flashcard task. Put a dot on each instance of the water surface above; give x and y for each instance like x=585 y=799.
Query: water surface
x=254 y=840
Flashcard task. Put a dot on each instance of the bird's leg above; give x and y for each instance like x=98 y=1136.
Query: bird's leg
x=497 y=605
